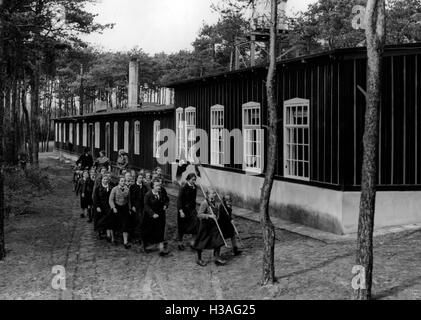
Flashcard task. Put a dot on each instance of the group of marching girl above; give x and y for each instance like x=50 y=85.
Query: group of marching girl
x=138 y=205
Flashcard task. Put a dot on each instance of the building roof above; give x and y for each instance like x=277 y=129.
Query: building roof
x=343 y=52
x=146 y=108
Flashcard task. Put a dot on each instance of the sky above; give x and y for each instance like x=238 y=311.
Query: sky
x=157 y=25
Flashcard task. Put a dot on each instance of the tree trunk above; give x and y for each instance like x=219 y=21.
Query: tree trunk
x=375 y=34
x=27 y=118
x=2 y=81
x=267 y=225
x=35 y=78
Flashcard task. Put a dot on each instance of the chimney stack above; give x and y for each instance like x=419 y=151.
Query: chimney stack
x=133 y=93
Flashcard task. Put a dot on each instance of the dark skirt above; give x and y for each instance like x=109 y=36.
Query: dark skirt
x=124 y=218
x=137 y=222
x=153 y=230
x=226 y=227
x=86 y=202
x=208 y=236
x=101 y=219
x=189 y=224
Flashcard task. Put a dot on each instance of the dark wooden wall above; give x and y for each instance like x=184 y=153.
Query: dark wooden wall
x=337 y=107
x=143 y=161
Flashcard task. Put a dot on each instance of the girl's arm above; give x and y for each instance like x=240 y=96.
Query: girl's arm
x=148 y=209
x=111 y=200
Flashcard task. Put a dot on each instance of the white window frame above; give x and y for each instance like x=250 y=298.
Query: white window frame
x=180 y=132
x=156 y=138
x=126 y=136
x=97 y=135
x=65 y=133
x=253 y=138
x=292 y=161
x=115 y=137
x=56 y=132
x=136 y=132
x=71 y=132
x=85 y=135
x=77 y=134
x=60 y=134
x=190 y=120
x=217 y=135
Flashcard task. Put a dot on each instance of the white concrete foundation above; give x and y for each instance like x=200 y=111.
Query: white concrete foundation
x=324 y=209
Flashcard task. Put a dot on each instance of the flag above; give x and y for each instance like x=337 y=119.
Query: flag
x=196 y=168
x=182 y=167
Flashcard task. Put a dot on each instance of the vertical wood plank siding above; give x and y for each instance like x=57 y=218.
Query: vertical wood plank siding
x=143 y=161
x=337 y=109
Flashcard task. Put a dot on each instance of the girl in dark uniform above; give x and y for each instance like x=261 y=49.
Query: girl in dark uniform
x=85 y=188
x=187 y=221
x=225 y=221
x=208 y=236
x=156 y=205
x=102 y=206
x=137 y=195
x=119 y=203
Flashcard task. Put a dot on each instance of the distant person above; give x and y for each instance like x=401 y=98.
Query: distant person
x=156 y=205
x=101 y=206
x=84 y=189
x=85 y=160
x=137 y=196
x=103 y=161
x=187 y=221
x=123 y=162
x=119 y=204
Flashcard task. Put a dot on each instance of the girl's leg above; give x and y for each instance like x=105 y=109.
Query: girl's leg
x=199 y=260
x=126 y=240
x=162 y=251
x=180 y=241
x=235 y=249
x=218 y=259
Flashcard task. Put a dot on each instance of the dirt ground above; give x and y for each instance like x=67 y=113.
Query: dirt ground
x=53 y=234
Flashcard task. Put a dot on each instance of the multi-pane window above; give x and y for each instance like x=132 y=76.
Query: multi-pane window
x=85 y=134
x=126 y=136
x=253 y=138
x=97 y=135
x=156 y=138
x=115 y=139
x=137 y=138
x=71 y=133
x=190 y=115
x=217 y=135
x=297 y=139
x=77 y=134
x=180 y=132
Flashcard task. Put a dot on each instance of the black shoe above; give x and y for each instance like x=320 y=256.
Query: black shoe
x=82 y=216
x=164 y=253
x=114 y=242
x=147 y=251
x=181 y=247
x=201 y=263
x=90 y=221
x=237 y=252
x=220 y=262
x=127 y=246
